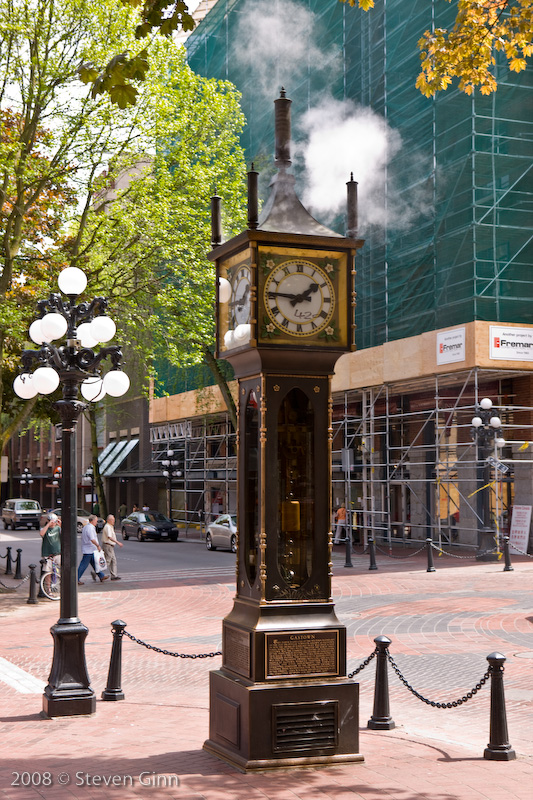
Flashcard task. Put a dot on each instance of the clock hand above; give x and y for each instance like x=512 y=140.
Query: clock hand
x=291 y=297
x=241 y=300
x=305 y=295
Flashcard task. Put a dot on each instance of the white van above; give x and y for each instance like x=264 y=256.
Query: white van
x=21 y=513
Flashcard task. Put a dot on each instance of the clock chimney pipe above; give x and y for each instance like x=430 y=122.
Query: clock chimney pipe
x=351 y=216
x=253 y=199
x=283 y=130
x=216 y=221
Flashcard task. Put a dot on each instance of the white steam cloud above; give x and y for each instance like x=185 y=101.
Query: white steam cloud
x=276 y=41
x=339 y=137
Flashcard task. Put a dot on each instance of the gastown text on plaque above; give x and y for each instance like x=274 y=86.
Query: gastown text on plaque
x=302 y=654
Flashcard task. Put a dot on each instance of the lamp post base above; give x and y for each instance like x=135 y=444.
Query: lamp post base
x=68 y=692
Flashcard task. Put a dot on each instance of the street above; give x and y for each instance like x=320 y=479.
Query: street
x=136 y=560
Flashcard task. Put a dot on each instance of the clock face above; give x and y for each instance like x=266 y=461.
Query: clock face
x=241 y=301
x=299 y=298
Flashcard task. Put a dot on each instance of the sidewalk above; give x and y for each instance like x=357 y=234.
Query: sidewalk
x=442 y=626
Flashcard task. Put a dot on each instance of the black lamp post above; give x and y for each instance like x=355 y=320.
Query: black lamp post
x=89 y=474
x=73 y=365
x=171 y=465
x=56 y=483
x=487 y=434
x=25 y=481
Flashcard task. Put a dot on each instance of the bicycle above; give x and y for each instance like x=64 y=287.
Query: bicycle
x=51 y=579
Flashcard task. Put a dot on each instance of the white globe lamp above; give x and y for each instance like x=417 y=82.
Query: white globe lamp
x=53 y=326
x=92 y=389
x=477 y=422
x=103 y=328
x=45 y=380
x=36 y=333
x=84 y=334
x=224 y=290
x=72 y=281
x=23 y=386
x=116 y=383
x=486 y=404
x=495 y=422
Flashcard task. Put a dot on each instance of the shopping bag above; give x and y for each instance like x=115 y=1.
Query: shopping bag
x=100 y=562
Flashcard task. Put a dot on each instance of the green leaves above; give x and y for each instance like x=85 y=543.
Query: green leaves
x=467 y=51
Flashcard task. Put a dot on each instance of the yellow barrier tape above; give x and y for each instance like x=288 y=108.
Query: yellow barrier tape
x=487 y=486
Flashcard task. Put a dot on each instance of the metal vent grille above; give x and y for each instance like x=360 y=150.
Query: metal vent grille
x=305 y=727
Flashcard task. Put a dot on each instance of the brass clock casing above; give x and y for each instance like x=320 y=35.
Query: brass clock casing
x=303 y=297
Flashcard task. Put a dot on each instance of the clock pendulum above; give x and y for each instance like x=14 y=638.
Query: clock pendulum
x=281 y=697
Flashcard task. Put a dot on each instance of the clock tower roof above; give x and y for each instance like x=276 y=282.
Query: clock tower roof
x=284 y=213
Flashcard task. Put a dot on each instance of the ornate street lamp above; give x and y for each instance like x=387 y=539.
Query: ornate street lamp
x=89 y=475
x=25 y=481
x=172 y=470
x=56 y=483
x=487 y=434
x=73 y=365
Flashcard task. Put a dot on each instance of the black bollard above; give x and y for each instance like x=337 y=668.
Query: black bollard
x=507 y=555
x=9 y=569
x=40 y=593
x=381 y=719
x=348 y=560
x=429 y=549
x=372 y=551
x=32 y=599
x=498 y=748
x=113 y=690
x=18 y=565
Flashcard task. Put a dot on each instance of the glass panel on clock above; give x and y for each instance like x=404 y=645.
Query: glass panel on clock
x=250 y=521
x=295 y=489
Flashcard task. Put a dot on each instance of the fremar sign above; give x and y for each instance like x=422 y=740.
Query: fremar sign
x=511 y=344
x=451 y=346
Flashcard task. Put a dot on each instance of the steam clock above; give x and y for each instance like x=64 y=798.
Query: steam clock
x=285 y=310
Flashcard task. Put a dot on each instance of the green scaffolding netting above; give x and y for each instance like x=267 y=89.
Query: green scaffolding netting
x=468 y=254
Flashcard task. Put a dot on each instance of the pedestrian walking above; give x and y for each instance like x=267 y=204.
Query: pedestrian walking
x=122 y=511
x=109 y=542
x=90 y=546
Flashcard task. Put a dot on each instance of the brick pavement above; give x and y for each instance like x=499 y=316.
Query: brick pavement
x=442 y=626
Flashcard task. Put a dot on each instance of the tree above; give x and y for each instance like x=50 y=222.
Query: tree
x=468 y=51
x=56 y=137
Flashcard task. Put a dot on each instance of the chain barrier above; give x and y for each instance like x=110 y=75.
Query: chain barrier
x=168 y=652
x=462 y=558
x=14 y=588
x=4 y=556
x=520 y=551
x=454 y=703
x=400 y=558
x=364 y=664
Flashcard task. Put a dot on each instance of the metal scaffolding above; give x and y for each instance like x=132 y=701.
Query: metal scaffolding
x=206 y=449
x=407 y=466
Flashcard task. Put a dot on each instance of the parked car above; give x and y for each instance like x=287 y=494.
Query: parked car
x=149 y=525
x=222 y=533
x=20 y=513
x=82 y=518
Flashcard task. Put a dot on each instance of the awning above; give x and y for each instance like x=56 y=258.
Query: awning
x=113 y=455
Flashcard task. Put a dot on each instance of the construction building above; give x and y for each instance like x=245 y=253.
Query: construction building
x=444 y=314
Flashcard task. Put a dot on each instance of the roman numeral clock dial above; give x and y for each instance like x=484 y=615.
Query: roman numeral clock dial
x=299 y=299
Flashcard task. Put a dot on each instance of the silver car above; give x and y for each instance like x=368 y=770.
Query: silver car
x=222 y=533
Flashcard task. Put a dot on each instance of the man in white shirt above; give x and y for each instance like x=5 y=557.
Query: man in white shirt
x=89 y=546
x=109 y=542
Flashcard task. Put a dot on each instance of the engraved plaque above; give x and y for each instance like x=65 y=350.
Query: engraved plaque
x=302 y=654
x=237 y=650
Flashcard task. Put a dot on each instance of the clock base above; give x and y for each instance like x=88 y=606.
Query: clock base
x=285 y=724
